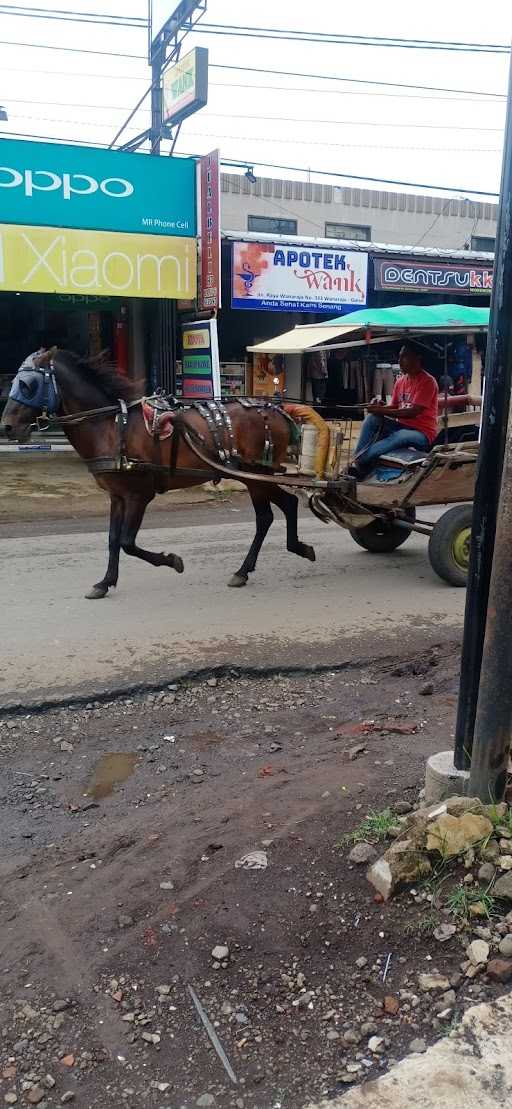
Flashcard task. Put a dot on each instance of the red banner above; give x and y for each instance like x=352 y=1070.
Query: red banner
x=209 y=289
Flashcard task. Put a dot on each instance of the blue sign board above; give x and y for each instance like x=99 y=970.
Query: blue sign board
x=54 y=185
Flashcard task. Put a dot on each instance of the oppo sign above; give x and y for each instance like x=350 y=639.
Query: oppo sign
x=59 y=186
x=70 y=184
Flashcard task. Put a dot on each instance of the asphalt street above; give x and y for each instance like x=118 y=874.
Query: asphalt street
x=158 y=625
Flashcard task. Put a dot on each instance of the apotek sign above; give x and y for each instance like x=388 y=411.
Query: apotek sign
x=297 y=278
x=99 y=263
x=209 y=199
x=441 y=277
x=54 y=185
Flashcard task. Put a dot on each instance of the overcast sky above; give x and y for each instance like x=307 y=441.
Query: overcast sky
x=433 y=138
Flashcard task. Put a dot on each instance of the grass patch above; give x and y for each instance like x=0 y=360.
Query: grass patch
x=374 y=828
x=460 y=900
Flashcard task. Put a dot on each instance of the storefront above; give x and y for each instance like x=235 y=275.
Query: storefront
x=271 y=285
x=96 y=246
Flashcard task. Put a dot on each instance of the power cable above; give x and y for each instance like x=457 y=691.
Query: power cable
x=73 y=50
x=70 y=17
x=351 y=146
x=334 y=39
x=28 y=9
x=354 y=80
x=351 y=122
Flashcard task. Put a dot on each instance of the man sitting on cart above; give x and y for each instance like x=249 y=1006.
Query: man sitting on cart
x=410 y=420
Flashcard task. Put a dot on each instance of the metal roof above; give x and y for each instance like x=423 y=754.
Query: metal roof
x=359 y=245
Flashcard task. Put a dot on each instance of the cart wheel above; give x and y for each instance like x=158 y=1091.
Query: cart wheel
x=383 y=536
x=449 y=545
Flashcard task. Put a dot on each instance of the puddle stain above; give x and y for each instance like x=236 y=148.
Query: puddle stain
x=110 y=771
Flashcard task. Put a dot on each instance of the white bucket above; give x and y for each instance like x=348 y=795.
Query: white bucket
x=308 y=444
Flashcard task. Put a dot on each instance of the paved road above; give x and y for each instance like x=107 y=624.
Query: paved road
x=159 y=624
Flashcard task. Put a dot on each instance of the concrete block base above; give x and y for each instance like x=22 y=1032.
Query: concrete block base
x=442 y=779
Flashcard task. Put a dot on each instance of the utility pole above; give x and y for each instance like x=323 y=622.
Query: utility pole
x=495 y=415
x=493 y=724
x=157 y=63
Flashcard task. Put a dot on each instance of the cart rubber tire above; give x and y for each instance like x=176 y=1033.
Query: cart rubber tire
x=381 y=537
x=448 y=548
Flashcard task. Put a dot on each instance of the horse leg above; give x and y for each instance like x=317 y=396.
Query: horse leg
x=135 y=508
x=264 y=518
x=289 y=504
x=114 y=546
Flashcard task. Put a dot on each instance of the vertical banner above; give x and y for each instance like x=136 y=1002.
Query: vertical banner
x=200 y=361
x=209 y=200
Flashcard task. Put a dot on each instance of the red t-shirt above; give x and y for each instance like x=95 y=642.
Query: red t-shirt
x=421 y=390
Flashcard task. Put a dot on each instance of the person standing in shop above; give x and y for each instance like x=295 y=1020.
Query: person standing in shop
x=317 y=374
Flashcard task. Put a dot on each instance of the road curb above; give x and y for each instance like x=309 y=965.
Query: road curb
x=471 y=1068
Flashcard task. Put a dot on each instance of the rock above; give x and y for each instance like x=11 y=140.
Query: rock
x=11 y=1098
x=417 y=1046
x=457 y=806
x=490 y=851
x=506 y=946
x=478 y=908
x=361 y=962
x=486 y=872
x=68 y=1096
x=429 y=982
x=369 y=1028
x=449 y=998
x=503 y=887
x=212 y=682
x=164 y=990
x=220 y=953
x=391 y=1005
x=60 y=1005
x=426 y=690
x=354 y=1036
x=452 y=835
x=304 y=1000
x=402 y=862
x=332 y=1034
x=49 y=1082
x=362 y=853
x=505 y=862
x=402 y=807
x=125 y=921
x=151 y=1038
x=477 y=952
x=497 y=812
x=445 y=932
x=356 y=751
x=35 y=1095
x=205 y=1100
x=167 y=885
x=376 y=1045
x=500 y=970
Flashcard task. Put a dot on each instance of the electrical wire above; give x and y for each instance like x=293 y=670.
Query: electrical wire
x=335 y=39
x=28 y=9
x=351 y=146
x=352 y=123
x=70 y=17
x=353 y=80
x=73 y=50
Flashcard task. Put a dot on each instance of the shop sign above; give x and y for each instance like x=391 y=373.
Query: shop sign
x=99 y=263
x=209 y=244
x=54 y=185
x=442 y=277
x=200 y=361
x=297 y=278
x=185 y=86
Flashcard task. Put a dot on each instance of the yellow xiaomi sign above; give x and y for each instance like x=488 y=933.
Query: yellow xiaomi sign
x=62 y=260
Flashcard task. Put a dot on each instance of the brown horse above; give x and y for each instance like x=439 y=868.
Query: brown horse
x=101 y=413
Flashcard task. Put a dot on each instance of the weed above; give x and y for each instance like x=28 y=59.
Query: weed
x=374 y=827
x=460 y=900
x=424 y=927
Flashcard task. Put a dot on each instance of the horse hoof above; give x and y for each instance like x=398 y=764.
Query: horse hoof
x=177 y=563
x=237 y=581
x=97 y=592
x=308 y=552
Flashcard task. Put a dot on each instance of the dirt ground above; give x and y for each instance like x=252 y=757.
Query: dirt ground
x=121 y=825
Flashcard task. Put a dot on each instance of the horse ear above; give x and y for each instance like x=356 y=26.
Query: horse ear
x=45 y=357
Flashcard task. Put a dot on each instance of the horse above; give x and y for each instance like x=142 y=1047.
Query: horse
x=106 y=422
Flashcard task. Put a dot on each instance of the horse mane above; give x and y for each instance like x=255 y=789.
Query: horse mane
x=105 y=376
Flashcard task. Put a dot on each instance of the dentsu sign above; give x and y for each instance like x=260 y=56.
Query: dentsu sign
x=54 y=185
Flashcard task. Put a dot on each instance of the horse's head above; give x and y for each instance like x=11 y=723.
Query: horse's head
x=34 y=394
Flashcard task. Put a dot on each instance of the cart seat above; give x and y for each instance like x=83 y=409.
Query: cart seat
x=404 y=456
